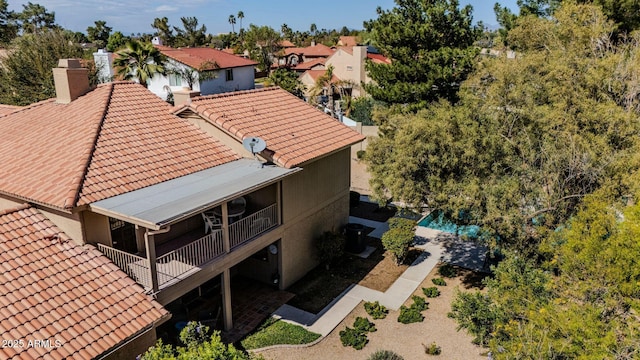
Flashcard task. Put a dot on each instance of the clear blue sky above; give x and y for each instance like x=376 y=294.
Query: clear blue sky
x=137 y=16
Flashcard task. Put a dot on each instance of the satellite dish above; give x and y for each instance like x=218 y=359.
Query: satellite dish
x=254 y=144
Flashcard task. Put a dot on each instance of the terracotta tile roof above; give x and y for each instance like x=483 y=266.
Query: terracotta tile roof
x=286 y=44
x=195 y=57
x=308 y=65
x=8 y=109
x=315 y=74
x=52 y=289
x=348 y=41
x=117 y=138
x=378 y=58
x=294 y=131
x=318 y=50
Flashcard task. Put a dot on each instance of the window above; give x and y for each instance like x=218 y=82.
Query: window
x=175 y=80
x=229 y=74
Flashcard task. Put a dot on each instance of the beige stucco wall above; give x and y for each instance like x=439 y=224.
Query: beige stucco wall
x=135 y=347
x=314 y=200
x=6 y=204
x=350 y=67
x=96 y=228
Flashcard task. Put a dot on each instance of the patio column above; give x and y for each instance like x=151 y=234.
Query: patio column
x=226 y=299
x=226 y=242
x=279 y=202
x=151 y=257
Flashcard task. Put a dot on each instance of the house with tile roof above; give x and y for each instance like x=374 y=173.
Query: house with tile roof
x=295 y=55
x=171 y=195
x=348 y=66
x=61 y=300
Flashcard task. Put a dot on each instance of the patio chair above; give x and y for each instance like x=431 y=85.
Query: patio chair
x=241 y=201
x=211 y=222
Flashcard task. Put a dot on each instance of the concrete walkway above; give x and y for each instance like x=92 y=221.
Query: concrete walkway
x=436 y=246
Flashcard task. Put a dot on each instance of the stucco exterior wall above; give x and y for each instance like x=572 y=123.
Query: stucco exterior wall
x=96 y=228
x=314 y=200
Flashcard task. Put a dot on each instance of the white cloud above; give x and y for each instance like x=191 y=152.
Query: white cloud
x=165 y=8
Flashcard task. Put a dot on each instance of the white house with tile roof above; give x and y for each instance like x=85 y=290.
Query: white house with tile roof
x=117 y=168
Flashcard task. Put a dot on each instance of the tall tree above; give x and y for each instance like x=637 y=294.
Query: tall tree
x=286 y=31
x=25 y=75
x=232 y=21
x=163 y=31
x=191 y=35
x=430 y=44
x=528 y=139
x=262 y=43
x=116 y=41
x=240 y=17
x=288 y=80
x=8 y=26
x=139 y=61
x=35 y=17
x=99 y=34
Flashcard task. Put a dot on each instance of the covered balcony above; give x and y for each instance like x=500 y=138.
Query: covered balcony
x=185 y=225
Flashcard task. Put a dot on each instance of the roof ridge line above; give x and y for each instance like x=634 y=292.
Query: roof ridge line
x=94 y=145
x=14 y=209
x=236 y=93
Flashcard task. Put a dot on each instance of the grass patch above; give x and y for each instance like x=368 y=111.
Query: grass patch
x=276 y=332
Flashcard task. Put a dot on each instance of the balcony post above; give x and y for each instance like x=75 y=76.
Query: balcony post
x=151 y=257
x=226 y=241
x=226 y=299
x=279 y=202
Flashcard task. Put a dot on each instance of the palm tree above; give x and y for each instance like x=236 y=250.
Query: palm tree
x=139 y=61
x=327 y=83
x=240 y=16
x=232 y=21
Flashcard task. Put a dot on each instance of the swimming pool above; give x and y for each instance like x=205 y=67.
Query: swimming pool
x=438 y=221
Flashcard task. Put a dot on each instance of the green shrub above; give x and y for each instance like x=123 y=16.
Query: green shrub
x=360 y=154
x=431 y=292
x=385 y=355
x=432 y=349
x=419 y=303
x=194 y=333
x=402 y=223
x=439 y=282
x=409 y=315
x=375 y=310
x=448 y=271
x=354 y=338
x=397 y=241
x=329 y=247
x=364 y=325
x=276 y=332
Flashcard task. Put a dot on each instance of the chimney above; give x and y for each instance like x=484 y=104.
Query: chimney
x=104 y=65
x=184 y=96
x=71 y=80
x=157 y=40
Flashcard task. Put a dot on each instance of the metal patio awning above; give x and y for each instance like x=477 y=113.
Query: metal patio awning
x=172 y=201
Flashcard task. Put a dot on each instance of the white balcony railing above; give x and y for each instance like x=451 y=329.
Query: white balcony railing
x=175 y=264
x=253 y=225
x=135 y=266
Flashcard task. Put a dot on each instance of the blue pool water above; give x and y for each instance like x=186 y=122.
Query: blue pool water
x=437 y=220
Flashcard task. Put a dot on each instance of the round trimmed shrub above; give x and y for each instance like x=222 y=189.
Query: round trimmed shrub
x=385 y=355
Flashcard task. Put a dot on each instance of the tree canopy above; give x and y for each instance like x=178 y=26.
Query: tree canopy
x=530 y=136
x=430 y=44
x=26 y=74
x=99 y=34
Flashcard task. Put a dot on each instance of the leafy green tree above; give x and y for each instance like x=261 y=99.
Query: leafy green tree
x=116 y=41
x=191 y=35
x=191 y=76
x=163 y=31
x=139 y=61
x=99 y=34
x=528 y=139
x=35 y=17
x=430 y=44
x=8 y=26
x=625 y=13
x=288 y=80
x=262 y=42
x=26 y=74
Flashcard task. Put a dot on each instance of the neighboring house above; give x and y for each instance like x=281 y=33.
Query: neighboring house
x=233 y=72
x=60 y=300
x=118 y=168
x=349 y=67
x=316 y=64
x=348 y=41
x=294 y=56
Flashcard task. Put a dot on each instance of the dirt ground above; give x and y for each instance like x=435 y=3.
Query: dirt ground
x=359 y=175
x=406 y=340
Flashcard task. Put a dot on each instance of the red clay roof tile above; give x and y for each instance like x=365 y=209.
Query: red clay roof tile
x=295 y=131
x=203 y=58
x=116 y=138
x=38 y=310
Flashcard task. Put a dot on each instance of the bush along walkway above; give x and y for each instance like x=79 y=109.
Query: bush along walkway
x=327 y=320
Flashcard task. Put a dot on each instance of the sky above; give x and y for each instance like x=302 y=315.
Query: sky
x=136 y=16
